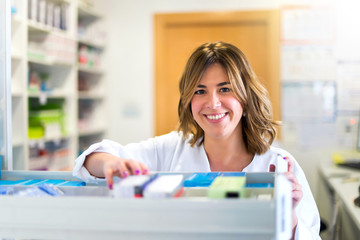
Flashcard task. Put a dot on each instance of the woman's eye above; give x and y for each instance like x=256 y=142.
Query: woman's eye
x=200 y=92
x=225 y=90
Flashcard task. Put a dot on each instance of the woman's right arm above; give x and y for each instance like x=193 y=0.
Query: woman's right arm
x=108 y=158
x=106 y=165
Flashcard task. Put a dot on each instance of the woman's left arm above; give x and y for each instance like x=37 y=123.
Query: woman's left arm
x=297 y=193
x=306 y=219
x=305 y=215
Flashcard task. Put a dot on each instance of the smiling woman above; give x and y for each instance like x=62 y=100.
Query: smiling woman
x=225 y=124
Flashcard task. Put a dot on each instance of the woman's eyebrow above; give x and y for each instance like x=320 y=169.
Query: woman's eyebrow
x=222 y=84
x=218 y=85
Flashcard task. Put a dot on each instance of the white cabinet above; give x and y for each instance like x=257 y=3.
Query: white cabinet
x=49 y=119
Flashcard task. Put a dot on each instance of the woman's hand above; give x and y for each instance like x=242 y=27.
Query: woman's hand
x=297 y=193
x=106 y=165
x=120 y=167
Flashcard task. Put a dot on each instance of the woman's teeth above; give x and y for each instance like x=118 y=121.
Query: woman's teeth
x=215 y=117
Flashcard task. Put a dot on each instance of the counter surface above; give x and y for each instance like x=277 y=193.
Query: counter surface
x=343 y=184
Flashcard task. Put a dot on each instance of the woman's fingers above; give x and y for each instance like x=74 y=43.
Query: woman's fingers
x=297 y=192
x=122 y=168
x=108 y=172
x=115 y=167
x=297 y=195
x=290 y=164
x=135 y=167
x=144 y=169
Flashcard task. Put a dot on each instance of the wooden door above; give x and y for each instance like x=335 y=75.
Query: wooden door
x=256 y=33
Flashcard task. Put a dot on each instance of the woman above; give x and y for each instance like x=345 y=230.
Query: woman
x=225 y=124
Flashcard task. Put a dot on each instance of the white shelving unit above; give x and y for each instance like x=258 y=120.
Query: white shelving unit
x=91 y=87
x=18 y=86
x=46 y=73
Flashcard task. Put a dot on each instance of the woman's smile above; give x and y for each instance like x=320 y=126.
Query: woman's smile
x=215 y=117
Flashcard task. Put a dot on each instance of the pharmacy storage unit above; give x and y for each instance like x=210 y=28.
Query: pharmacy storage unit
x=48 y=83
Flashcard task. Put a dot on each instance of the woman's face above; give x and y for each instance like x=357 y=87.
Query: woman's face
x=214 y=105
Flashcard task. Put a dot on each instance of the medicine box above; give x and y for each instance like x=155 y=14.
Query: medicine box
x=227 y=187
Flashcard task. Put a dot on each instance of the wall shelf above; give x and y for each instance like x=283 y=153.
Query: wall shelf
x=88 y=12
x=17 y=142
x=36 y=27
x=90 y=70
x=47 y=62
x=54 y=95
x=45 y=73
x=93 y=131
x=91 y=85
x=15 y=54
x=91 y=43
x=90 y=95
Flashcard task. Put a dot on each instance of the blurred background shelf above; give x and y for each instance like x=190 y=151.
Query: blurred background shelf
x=46 y=39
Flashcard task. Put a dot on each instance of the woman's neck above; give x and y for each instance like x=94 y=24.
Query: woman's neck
x=229 y=154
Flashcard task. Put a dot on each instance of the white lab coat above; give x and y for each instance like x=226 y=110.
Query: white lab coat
x=171 y=153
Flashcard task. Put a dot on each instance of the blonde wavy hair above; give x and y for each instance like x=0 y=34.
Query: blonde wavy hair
x=258 y=125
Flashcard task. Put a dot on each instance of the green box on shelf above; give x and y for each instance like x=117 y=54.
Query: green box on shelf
x=227 y=187
x=46 y=115
x=35 y=132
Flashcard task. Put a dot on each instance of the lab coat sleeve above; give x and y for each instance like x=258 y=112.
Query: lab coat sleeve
x=308 y=226
x=156 y=153
x=107 y=146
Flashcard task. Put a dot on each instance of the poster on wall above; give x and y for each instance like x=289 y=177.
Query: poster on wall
x=349 y=88
x=309 y=112
x=308 y=62
x=309 y=102
x=308 y=25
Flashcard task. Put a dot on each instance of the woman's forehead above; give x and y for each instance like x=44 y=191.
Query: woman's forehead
x=214 y=74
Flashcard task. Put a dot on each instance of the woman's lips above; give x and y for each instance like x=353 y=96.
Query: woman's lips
x=215 y=116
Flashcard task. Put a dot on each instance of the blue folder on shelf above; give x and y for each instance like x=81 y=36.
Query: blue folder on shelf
x=37 y=182
x=205 y=179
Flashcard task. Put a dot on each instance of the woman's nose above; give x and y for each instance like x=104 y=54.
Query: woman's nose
x=213 y=101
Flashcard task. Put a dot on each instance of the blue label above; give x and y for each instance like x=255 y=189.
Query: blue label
x=204 y=179
x=37 y=182
x=9 y=182
x=259 y=185
x=72 y=183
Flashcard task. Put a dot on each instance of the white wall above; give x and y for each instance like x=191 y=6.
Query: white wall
x=129 y=65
